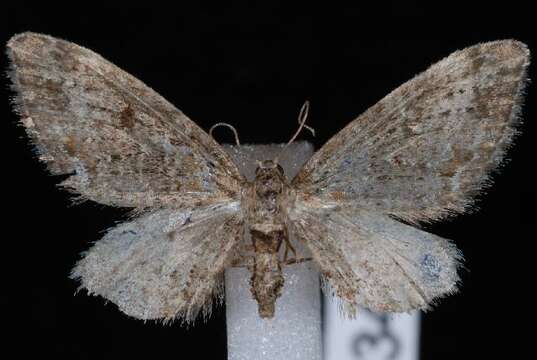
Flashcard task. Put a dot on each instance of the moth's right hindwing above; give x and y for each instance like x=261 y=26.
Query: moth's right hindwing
x=166 y=264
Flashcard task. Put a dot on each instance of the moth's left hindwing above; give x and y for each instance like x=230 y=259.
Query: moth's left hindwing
x=124 y=145
x=370 y=260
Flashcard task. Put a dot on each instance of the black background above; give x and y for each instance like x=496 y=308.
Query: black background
x=253 y=67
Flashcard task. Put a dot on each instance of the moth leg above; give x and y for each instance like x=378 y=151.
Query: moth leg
x=288 y=247
x=243 y=263
x=295 y=261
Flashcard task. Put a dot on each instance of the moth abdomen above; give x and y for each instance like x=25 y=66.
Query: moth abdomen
x=267 y=279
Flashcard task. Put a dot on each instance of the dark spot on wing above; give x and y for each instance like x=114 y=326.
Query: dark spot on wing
x=126 y=117
x=187 y=221
x=70 y=146
x=511 y=72
x=477 y=63
x=52 y=86
x=445 y=113
x=430 y=268
x=171 y=235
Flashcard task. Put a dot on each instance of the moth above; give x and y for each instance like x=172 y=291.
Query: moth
x=420 y=154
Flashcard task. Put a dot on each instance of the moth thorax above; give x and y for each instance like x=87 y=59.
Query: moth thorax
x=269 y=180
x=269 y=169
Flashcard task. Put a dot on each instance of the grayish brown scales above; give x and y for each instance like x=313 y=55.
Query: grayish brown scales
x=419 y=154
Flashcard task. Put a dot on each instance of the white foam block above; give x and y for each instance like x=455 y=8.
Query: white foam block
x=295 y=331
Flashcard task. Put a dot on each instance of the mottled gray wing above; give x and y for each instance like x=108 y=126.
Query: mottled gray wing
x=369 y=260
x=425 y=149
x=122 y=142
x=166 y=264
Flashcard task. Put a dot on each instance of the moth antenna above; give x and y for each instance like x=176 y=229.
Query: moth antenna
x=302 y=116
x=228 y=126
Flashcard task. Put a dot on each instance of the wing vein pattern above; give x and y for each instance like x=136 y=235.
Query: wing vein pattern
x=372 y=261
x=166 y=264
x=426 y=149
x=122 y=144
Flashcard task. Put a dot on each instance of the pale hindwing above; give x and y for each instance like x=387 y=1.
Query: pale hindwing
x=425 y=149
x=124 y=144
x=166 y=264
x=372 y=261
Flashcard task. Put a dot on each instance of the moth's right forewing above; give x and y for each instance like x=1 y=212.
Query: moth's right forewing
x=121 y=142
x=372 y=261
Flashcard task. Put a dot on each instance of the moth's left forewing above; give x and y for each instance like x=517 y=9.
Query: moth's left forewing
x=426 y=149
x=369 y=260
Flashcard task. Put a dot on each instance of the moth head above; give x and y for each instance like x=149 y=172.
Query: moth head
x=268 y=168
